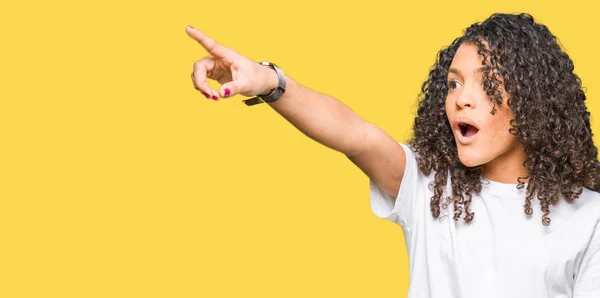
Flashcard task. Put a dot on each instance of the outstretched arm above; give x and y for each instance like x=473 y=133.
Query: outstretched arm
x=319 y=116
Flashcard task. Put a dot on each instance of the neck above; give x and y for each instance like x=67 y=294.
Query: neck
x=507 y=168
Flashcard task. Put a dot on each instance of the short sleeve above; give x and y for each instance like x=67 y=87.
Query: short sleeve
x=587 y=282
x=398 y=209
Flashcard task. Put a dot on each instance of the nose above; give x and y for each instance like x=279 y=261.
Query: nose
x=465 y=99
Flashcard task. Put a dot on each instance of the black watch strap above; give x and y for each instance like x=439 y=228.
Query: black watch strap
x=276 y=93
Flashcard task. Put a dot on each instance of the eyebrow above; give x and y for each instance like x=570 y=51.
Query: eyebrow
x=457 y=72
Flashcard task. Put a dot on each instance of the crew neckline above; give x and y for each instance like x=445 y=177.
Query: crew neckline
x=503 y=189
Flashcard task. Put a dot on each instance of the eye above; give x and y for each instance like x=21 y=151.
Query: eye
x=453 y=84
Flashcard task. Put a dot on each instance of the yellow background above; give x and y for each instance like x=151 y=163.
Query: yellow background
x=118 y=179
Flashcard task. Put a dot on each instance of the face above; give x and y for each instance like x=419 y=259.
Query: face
x=481 y=138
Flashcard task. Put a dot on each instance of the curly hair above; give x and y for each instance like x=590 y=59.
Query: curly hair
x=538 y=75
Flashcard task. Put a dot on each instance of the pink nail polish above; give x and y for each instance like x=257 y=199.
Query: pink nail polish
x=227 y=92
x=215 y=97
x=206 y=94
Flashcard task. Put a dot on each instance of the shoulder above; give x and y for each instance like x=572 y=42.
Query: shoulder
x=588 y=199
x=412 y=164
x=587 y=205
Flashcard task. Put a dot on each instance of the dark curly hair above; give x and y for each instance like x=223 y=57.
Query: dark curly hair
x=539 y=79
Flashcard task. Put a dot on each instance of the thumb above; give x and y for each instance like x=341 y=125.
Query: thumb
x=232 y=88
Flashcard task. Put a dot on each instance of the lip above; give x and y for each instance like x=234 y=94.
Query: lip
x=463 y=139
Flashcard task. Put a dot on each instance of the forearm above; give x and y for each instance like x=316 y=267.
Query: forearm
x=322 y=118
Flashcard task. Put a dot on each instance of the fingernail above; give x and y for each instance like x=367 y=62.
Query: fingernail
x=215 y=97
x=227 y=92
x=206 y=94
x=191 y=27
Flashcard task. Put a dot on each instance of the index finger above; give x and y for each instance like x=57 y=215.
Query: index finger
x=211 y=46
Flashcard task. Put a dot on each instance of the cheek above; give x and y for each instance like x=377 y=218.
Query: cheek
x=500 y=126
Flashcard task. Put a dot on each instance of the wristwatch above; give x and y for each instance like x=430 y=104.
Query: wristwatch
x=274 y=94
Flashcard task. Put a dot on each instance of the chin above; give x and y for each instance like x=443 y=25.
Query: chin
x=469 y=160
x=469 y=163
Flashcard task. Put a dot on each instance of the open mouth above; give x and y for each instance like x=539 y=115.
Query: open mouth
x=467 y=130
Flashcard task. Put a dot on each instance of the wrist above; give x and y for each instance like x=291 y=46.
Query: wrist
x=271 y=79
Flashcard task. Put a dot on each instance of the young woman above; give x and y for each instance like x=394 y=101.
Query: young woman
x=497 y=192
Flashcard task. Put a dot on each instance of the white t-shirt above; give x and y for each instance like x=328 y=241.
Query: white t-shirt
x=503 y=252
